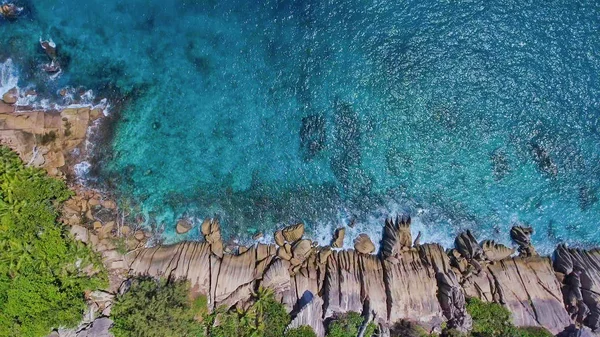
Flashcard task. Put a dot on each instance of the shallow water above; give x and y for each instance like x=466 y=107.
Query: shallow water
x=466 y=114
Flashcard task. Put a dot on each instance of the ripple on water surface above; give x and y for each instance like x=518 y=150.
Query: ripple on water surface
x=471 y=114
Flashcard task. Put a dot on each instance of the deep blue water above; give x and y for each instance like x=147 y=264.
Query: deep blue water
x=466 y=114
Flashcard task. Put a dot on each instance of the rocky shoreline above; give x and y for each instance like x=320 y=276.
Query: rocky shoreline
x=405 y=280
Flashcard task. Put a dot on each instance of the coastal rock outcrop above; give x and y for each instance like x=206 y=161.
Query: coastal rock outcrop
x=183 y=226
x=212 y=234
x=450 y=293
x=293 y=233
x=411 y=287
x=396 y=238
x=467 y=246
x=522 y=237
x=10 y=10
x=363 y=244
x=338 y=238
x=527 y=287
x=420 y=284
x=44 y=139
x=495 y=251
x=10 y=97
x=580 y=273
x=310 y=314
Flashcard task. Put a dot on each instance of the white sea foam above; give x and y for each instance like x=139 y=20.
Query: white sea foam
x=82 y=169
x=9 y=76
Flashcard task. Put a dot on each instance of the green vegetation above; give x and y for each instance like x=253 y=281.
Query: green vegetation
x=155 y=308
x=303 y=331
x=489 y=320
x=533 y=331
x=42 y=282
x=407 y=329
x=493 y=320
x=348 y=325
x=163 y=308
x=266 y=317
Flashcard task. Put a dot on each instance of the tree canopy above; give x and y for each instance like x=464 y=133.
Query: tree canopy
x=42 y=278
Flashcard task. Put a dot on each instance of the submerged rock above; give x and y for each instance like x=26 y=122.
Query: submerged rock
x=10 y=10
x=312 y=135
x=500 y=164
x=544 y=161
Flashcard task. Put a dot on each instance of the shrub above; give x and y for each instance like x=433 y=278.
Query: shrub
x=155 y=308
x=228 y=325
x=42 y=282
x=266 y=317
x=453 y=333
x=490 y=319
x=303 y=331
x=407 y=329
x=275 y=317
x=532 y=331
x=346 y=325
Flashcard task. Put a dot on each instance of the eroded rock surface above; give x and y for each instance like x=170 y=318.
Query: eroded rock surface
x=421 y=284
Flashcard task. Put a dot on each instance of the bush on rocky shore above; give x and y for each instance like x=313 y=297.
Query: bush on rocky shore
x=44 y=272
x=303 y=331
x=493 y=320
x=163 y=308
x=348 y=325
x=155 y=308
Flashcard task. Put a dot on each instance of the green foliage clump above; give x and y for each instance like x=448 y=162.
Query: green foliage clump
x=42 y=278
x=489 y=319
x=155 y=308
x=532 y=331
x=303 y=331
x=407 y=329
x=453 y=333
x=348 y=325
x=266 y=317
x=493 y=320
x=370 y=330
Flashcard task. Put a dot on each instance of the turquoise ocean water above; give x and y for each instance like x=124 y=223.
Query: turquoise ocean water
x=466 y=114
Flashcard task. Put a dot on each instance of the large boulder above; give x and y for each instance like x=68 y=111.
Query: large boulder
x=495 y=251
x=338 y=238
x=522 y=237
x=293 y=233
x=363 y=244
x=300 y=251
x=11 y=96
x=183 y=226
x=467 y=246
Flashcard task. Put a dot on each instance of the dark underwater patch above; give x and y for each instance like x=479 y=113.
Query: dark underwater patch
x=312 y=136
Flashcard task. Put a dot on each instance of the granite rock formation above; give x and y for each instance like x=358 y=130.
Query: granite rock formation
x=46 y=139
x=421 y=284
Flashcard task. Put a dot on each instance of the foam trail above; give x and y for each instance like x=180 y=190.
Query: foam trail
x=9 y=77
